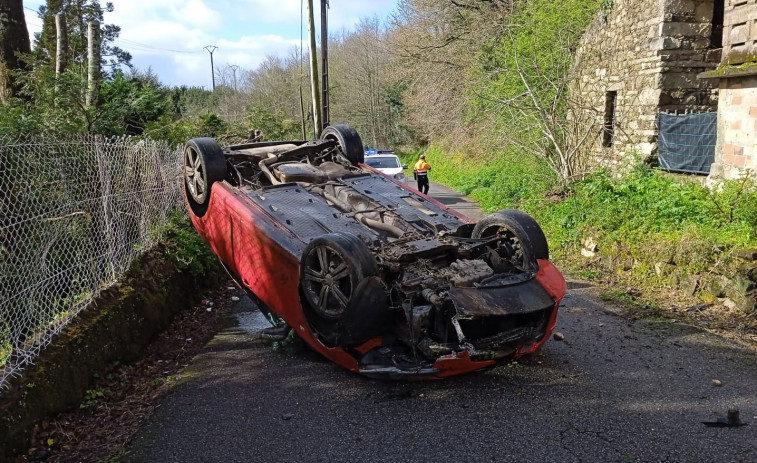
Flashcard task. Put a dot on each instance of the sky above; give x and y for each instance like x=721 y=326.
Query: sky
x=168 y=36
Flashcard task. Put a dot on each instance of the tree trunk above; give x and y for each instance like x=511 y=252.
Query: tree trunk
x=14 y=39
x=61 y=44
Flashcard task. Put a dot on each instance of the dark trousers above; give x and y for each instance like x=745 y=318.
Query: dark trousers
x=423 y=184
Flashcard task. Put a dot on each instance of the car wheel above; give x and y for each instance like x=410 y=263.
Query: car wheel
x=348 y=139
x=522 y=232
x=344 y=300
x=204 y=164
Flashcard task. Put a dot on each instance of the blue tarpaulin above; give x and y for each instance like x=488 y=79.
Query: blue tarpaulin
x=687 y=142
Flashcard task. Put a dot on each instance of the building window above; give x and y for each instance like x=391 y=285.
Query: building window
x=608 y=132
x=716 y=37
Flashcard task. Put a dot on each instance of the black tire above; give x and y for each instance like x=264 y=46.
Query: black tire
x=204 y=164
x=343 y=300
x=522 y=231
x=349 y=141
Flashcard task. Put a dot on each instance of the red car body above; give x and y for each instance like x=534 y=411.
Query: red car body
x=264 y=244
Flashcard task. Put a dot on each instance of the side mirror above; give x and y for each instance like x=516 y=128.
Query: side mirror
x=404 y=166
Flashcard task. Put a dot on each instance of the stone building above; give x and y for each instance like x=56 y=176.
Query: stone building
x=641 y=57
x=736 y=149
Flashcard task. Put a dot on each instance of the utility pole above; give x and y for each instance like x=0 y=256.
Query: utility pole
x=93 y=70
x=325 y=62
x=234 y=68
x=210 y=49
x=61 y=44
x=314 y=88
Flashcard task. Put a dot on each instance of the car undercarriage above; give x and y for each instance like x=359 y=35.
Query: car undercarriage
x=391 y=277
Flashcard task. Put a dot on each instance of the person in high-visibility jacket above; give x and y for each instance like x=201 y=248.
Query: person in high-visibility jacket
x=420 y=172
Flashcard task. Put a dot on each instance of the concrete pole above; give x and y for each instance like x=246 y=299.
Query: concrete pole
x=93 y=71
x=234 y=68
x=210 y=49
x=314 y=87
x=61 y=44
x=325 y=62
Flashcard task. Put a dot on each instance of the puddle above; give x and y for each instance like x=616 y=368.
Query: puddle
x=252 y=322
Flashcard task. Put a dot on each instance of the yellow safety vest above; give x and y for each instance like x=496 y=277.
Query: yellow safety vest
x=421 y=167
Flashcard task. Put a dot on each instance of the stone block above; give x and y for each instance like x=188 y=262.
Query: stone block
x=716 y=285
x=686 y=29
x=698 y=44
x=703 y=11
x=665 y=43
x=745 y=302
x=680 y=80
x=650 y=96
x=689 y=284
x=749 y=255
x=646 y=149
x=742 y=285
x=679 y=7
x=714 y=56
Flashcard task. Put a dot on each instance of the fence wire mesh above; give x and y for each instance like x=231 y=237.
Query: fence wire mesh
x=74 y=215
x=687 y=141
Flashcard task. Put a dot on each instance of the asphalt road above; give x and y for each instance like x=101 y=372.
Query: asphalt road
x=613 y=390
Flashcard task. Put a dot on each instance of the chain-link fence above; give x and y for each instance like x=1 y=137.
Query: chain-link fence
x=74 y=213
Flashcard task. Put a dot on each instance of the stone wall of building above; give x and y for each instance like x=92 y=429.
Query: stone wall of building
x=736 y=149
x=740 y=31
x=644 y=54
x=737 y=123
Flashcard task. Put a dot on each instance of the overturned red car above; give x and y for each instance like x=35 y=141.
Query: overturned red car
x=374 y=275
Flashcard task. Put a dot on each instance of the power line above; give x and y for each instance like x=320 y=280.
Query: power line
x=151 y=47
x=130 y=43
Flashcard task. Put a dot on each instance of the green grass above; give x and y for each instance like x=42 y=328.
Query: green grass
x=495 y=181
x=652 y=218
x=640 y=219
x=184 y=246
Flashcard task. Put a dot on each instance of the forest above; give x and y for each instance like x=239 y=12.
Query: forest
x=480 y=86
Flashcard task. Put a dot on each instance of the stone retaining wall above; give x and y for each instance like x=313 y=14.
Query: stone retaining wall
x=117 y=326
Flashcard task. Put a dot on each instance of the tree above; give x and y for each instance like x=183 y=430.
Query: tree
x=360 y=81
x=524 y=81
x=78 y=13
x=435 y=45
x=14 y=42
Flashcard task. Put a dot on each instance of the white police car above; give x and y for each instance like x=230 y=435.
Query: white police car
x=386 y=162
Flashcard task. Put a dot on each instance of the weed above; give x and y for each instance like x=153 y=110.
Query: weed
x=184 y=247
x=92 y=396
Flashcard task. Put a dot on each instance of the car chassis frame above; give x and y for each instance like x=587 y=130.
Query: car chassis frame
x=369 y=272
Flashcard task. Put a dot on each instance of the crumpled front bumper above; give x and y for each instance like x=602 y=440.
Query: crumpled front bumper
x=540 y=297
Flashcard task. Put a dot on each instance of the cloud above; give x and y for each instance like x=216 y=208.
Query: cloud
x=196 y=13
x=342 y=13
x=169 y=35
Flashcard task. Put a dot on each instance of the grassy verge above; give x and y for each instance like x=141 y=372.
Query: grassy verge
x=668 y=242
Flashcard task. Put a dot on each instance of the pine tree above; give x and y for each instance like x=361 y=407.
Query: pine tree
x=14 y=41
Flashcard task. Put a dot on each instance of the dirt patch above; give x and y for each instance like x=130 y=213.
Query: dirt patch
x=123 y=396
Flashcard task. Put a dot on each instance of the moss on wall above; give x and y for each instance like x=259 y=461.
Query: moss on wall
x=117 y=326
